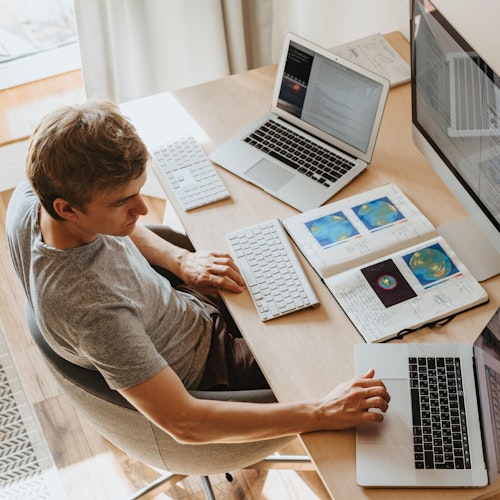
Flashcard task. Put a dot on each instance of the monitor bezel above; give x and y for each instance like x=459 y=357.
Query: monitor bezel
x=466 y=47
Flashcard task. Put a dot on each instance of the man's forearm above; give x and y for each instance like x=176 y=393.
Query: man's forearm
x=156 y=250
x=232 y=422
x=164 y=400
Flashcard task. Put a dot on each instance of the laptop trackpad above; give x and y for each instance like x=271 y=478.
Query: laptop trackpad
x=269 y=175
x=396 y=427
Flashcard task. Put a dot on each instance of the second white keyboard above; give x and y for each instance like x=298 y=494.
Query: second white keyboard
x=273 y=274
x=190 y=173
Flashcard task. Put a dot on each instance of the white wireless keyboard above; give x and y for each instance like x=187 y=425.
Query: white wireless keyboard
x=273 y=274
x=189 y=172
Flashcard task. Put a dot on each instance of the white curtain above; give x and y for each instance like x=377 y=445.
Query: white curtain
x=134 y=48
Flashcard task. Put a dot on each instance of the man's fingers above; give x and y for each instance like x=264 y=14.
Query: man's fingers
x=231 y=283
x=230 y=272
x=232 y=286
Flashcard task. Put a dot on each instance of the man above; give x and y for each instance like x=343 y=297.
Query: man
x=86 y=267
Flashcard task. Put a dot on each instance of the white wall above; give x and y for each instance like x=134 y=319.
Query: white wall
x=338 y=21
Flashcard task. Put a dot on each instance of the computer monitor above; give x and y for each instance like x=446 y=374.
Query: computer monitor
x=456 y=125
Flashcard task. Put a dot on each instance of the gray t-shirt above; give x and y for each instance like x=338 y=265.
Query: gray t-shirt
x=102 y=306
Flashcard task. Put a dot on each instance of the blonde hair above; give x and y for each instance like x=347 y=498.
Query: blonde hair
x=76 y=151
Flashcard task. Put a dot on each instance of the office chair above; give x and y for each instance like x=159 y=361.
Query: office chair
x=128 y=429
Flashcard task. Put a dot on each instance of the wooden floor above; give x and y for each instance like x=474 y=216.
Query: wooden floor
x=90 y=467
x=21 y=107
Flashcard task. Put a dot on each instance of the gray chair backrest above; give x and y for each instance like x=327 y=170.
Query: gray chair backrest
x=128 y=429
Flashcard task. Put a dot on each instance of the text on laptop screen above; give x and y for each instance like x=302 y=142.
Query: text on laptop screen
x=329 y=96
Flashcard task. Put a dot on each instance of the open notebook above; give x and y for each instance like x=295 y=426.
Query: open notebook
x=384 y=263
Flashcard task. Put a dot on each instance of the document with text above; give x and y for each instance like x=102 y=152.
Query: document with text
x=384 y=263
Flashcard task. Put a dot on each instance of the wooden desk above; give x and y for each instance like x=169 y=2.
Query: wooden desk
x=306 y=354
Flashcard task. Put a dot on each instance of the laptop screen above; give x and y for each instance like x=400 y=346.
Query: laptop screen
x=329 y=96
x=487 y=365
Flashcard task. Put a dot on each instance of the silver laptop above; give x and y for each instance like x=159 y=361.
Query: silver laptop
x=321 y=130
x=421 y=443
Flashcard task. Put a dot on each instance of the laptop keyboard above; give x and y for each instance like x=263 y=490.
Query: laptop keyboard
x=274 y=276
x=440 y=437
x=300 y=153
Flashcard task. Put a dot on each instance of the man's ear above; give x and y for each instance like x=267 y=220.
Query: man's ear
x=64 y=209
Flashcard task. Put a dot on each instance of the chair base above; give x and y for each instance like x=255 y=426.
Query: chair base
x=165 y=482
x=284 y=462
x=158 y=486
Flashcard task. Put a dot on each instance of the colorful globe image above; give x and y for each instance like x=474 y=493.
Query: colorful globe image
x=331 y=229
x=378 y=213
x=431 y=264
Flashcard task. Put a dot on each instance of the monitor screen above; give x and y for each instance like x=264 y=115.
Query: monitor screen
x=456 y=111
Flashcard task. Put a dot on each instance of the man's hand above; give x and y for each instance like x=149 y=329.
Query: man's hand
x=205 y=269
x=349 y=403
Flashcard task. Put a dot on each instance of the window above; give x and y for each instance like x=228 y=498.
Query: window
x=38 y=39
